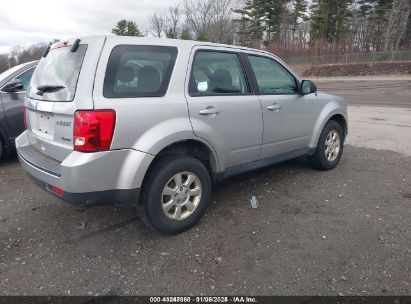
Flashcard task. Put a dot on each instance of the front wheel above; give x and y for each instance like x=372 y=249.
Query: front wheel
x=330 y=146
x=175 y=194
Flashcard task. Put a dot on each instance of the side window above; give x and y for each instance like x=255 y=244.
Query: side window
x=139 y=71
x=25 y=78
x=271 y=77
x=216 y=73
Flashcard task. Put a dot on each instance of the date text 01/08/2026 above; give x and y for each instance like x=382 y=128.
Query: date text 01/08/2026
x=203 y=299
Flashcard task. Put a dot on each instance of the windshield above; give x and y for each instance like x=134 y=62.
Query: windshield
x=56 y=76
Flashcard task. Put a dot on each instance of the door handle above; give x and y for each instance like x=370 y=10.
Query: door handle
x=209 y=111
x=274 y=107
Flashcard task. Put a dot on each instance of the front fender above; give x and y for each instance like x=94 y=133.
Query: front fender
x=329 y=110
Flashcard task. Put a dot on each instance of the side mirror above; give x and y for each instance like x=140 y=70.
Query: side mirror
x=308 y=87
x=13 y=86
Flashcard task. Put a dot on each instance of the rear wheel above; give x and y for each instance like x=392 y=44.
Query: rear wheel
x=330 y=146
x=175 y=194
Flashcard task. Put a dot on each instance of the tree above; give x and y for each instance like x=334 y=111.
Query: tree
x=173 y=22
x=298 y=13
x=406 y=40
x=198 y=15
x=18 y=55
x=210 y=18
x=329 y=20
x=4 y=63
x=126 y=28
x=250 y=28
x=157 y=24
x=272 y=13
x=186 y=34
x=361 y=24
x=33 y=52
x=370 y=24
x=288 y=27
x=202 y=37
x=397 y=25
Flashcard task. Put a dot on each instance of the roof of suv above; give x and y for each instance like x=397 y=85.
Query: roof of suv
x=182 y=44
x=169 y=42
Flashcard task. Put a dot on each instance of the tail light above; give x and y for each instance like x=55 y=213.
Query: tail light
x=25 y=117
x=93 y=130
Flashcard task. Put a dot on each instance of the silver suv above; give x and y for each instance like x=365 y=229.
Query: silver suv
x=155 y=122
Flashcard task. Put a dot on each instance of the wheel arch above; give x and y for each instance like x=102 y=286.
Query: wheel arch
x=193 y=147
x=342 y=121
x=330 y=112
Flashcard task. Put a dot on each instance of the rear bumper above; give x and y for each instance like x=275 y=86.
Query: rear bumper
x=102 y=178
x=98 y=198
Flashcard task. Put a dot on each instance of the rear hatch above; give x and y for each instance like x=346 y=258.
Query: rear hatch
x=61 y=84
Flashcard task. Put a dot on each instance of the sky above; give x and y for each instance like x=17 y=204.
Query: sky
x=24 y=22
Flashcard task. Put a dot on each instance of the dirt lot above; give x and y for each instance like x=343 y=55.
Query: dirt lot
x=346 y=231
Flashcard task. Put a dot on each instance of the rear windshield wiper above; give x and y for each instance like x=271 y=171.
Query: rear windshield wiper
x=41 y=89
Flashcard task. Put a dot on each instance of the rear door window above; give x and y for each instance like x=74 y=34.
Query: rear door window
x=58 y=72
x=139 y=71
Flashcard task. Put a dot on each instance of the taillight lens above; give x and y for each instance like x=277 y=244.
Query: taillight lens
x=93 y=130
x=25 y=117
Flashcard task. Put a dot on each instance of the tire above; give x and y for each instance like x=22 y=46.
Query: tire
x=328 y=160
x=162 y=189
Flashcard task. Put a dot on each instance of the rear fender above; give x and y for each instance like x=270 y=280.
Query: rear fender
x=168 y=133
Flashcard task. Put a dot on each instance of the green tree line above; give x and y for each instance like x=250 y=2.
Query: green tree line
x=325 y=26
x=292 y=27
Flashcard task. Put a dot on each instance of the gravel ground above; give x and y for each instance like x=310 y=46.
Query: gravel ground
x=346 y=231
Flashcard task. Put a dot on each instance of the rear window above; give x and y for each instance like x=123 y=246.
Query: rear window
x=59 y=69
x=139 y=71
